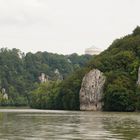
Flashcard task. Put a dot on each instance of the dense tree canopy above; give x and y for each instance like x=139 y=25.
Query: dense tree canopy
x=20 y=72
x=120 y=63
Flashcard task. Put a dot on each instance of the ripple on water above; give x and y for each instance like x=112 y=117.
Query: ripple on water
x=41 y=125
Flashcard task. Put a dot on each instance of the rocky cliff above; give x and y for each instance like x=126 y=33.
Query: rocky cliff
x=92 y=90
x=138 y=82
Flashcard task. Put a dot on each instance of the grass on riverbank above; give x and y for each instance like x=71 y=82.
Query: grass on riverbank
x=14 y=107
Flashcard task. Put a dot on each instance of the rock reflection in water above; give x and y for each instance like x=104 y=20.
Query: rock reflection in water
x=34 y=125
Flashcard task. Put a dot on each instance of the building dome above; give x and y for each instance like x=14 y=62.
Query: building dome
x=92 y=51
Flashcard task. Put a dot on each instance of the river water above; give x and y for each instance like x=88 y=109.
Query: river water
x=29 y=124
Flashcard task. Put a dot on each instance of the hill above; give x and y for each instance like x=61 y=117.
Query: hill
x=119 y=63
x=19 y=72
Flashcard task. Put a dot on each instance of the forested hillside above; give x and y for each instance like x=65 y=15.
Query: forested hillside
x=19 y=72
x=119 y=63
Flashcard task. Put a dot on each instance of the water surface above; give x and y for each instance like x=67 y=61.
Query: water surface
x=29 y=124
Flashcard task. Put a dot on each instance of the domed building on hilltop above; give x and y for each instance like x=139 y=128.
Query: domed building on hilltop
x=93 y=51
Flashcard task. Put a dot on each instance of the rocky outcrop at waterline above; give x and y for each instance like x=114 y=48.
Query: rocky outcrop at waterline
x=92 y=90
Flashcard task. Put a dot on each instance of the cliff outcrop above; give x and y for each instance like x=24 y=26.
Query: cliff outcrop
x=92 y=90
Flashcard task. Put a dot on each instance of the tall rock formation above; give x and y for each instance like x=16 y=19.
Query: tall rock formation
x=92 y=90
x=138 y=82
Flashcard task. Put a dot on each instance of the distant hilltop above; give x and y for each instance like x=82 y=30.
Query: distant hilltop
x=93 y=51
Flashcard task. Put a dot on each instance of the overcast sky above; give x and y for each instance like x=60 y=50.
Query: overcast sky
x=65 y=26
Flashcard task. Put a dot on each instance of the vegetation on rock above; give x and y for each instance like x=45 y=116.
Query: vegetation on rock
x=119 y=63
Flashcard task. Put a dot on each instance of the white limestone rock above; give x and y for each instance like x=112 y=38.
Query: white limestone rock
x=92 y=90
x=5 y=96
x=138 y=82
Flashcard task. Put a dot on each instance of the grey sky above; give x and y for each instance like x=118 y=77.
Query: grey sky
x=65 y=26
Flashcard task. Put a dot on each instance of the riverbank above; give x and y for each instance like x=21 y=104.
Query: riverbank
x=14 y=107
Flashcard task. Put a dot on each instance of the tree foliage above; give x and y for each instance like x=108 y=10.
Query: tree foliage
x=19 y=72
x=120 y=63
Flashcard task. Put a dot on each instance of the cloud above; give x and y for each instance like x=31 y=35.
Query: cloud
x=22 y=12
x=65 y=26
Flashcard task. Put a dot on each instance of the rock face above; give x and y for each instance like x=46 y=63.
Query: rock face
x=138 y=82
x=43 y=78
x=92 y=90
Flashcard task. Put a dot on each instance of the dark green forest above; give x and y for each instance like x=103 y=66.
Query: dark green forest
x=119 y=63
x=19 y=72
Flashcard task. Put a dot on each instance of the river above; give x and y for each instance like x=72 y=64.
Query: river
x=30 y=124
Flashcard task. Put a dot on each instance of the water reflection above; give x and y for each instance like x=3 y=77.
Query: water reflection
x=35 y=125
x=125 y=126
